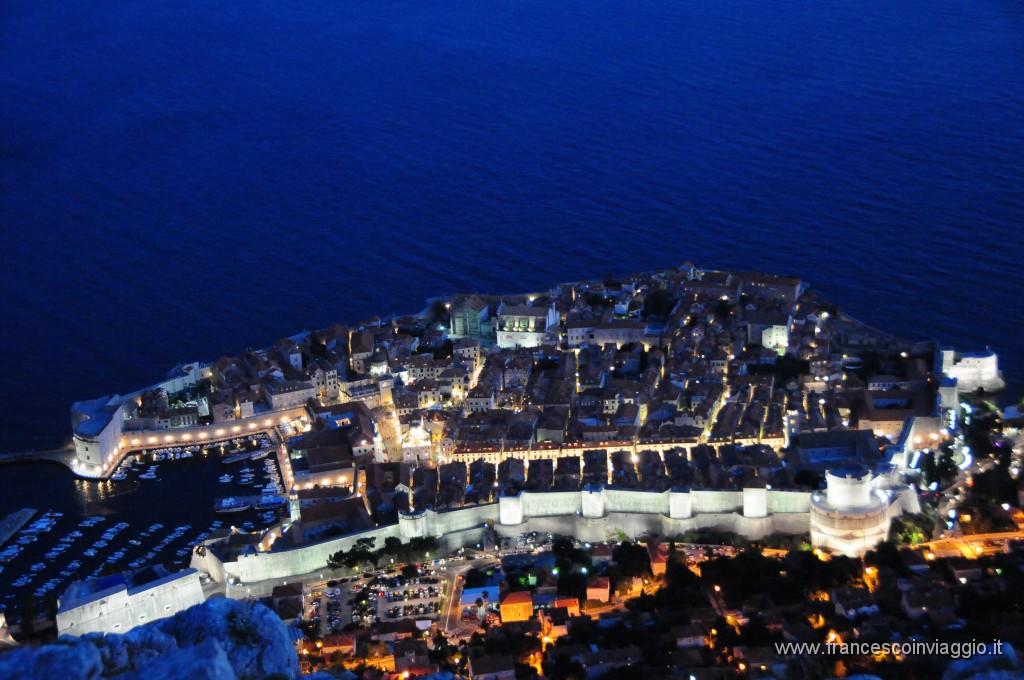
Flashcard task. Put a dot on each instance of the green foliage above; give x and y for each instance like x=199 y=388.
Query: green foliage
x=572 y=584
x=316 y=345
x=632 y=559
x=475 y=578
x=886 y=554
x=813 y=573
x=740 y=577
x=712 y=537
x=912 y=528
x=937 y=467
x=596 y=300
x=782 y=541
x=310 y=630
x=445 y=351
x=361 y=553
x=438 y=311
x=658 y=302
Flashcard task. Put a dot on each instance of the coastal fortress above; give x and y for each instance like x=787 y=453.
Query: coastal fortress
x=658 y=404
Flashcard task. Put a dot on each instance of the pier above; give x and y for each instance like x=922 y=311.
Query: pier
x=13 y=523
x=64 y=456
x=230 y=504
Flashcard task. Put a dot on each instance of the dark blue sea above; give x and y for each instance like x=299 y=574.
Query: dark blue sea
x=181 y=180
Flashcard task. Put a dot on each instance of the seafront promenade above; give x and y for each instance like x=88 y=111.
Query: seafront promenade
x=131 y=442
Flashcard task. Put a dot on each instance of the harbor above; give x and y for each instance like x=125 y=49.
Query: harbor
x=155 y=509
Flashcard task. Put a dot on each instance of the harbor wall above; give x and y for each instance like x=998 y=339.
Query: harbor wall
x=198 y=434
x=115 y=444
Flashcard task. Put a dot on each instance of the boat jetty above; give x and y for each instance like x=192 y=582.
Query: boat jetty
x=267 y=501
x=13 y=523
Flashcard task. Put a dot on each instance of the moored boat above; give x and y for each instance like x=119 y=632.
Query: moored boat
x=231 y=504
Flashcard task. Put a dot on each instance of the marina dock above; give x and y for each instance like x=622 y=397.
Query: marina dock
x=242 y=503
x=228 y=460
x=13 y=523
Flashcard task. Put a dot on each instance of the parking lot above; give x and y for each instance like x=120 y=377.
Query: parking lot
x=357 y=602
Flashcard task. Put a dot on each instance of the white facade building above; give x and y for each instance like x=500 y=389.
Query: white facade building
x=287 y=394
x=120 y=607
x=523 y=326
x=775 y=337
x=973 y=371
x=618 y=332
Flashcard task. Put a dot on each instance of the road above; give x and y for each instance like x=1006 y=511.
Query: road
x=451 y=619
x=973 y=545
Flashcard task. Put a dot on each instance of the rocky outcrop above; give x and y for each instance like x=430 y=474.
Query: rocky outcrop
x=220 y=639
x=1000 y=663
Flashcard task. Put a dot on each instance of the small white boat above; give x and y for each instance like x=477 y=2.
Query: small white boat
x=135 y=541
x=225 y=479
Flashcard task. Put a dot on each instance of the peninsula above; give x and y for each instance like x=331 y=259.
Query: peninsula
x=685 y=413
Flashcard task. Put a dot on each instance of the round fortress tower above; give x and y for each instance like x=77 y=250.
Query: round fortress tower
x=848 y=488
x=850 y=516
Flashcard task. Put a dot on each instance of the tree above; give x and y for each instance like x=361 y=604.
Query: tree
x=475 y=578
x=392 y=547
x=632 y=559
x=945 y=469
x=438 y=311
x=572 y=584
x=723 y=309
x=316 y=345
x=659 y=302
x=886 y=554
x=912 y=528
x=361 y=553
x=439 y=648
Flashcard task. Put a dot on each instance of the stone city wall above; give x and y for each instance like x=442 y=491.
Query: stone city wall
x=302 y=560
x=591 y=515
x=614 y=525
